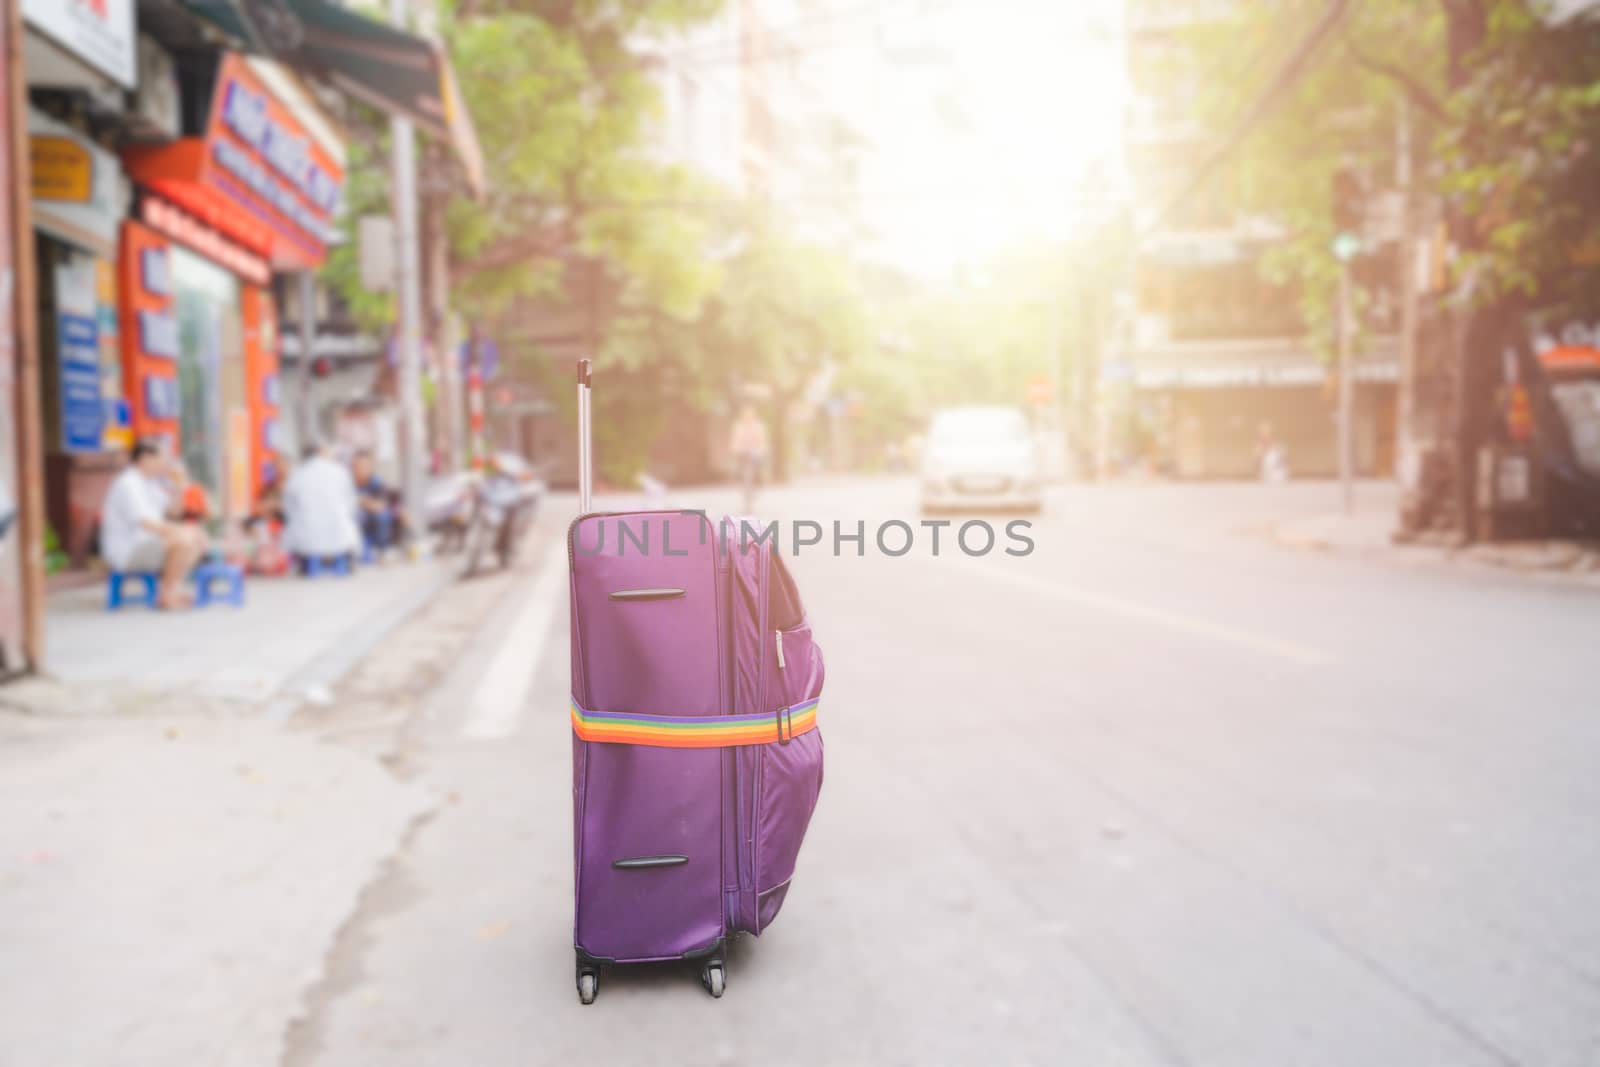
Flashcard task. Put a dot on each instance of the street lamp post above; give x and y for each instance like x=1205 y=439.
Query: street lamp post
x=409 y=289
x=1348 y=213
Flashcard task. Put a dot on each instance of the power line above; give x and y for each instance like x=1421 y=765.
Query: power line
x=1288 y=75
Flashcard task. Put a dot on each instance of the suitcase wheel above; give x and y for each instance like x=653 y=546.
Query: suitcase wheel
x=588 y=983
x=714 y=978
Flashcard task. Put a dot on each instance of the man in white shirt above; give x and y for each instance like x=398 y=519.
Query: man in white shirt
x=136 y=534
x=319 y=504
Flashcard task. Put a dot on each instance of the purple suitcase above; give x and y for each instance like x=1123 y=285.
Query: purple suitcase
x=696 y=761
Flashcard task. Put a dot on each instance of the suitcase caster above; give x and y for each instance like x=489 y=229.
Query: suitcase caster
x=714 y=978
x=588 y=983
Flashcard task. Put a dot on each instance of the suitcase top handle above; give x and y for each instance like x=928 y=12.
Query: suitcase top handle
x=695 y=731
x=585 y=439
x=646 y=594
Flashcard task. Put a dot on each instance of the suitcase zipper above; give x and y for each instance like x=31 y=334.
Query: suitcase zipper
x=778 y=635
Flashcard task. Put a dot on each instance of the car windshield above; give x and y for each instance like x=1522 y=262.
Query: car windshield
x=963 y=425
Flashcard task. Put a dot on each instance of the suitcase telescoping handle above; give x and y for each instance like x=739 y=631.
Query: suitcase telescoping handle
x=585 y=439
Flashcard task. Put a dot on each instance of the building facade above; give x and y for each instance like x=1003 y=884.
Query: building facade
x=168 y=182
x=1213 y=359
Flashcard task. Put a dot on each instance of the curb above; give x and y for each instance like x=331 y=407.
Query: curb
x=1575 y=565
x=328 y=669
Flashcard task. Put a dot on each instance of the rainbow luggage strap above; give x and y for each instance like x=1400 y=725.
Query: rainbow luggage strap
x=702 y=731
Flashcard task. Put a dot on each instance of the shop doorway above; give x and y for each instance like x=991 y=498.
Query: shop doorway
x=210 y=363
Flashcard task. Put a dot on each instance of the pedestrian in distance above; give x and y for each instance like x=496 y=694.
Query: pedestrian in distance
x=1272 y=462
x=140 y=531
x=749 y=448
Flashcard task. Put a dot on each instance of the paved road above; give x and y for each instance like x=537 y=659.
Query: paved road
x=1158 y=793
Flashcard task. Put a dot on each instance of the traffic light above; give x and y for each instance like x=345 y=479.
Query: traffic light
x=321 y=367
x=1348 y=206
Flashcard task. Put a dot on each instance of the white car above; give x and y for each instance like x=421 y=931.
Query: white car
x=980 y=457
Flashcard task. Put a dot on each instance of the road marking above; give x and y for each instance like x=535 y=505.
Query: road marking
x=500 y=695
x=1132 y=609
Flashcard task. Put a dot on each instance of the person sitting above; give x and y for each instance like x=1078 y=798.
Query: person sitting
x=319 y=504
x=136 y=534
x=190 y=501
x=263 y=528
x=379 y=515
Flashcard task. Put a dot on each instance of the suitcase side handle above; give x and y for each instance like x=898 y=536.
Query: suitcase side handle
x=646 y=594
x=640 y=862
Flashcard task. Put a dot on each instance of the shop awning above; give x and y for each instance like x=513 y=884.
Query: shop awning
x=397 y=72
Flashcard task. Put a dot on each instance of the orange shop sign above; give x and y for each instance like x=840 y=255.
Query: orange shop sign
x=187 y=230
x=261 y=156
x=257 y=176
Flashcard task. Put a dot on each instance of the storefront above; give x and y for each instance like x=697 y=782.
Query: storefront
x=1203 y=410
x=217 y=213
x=79 y=196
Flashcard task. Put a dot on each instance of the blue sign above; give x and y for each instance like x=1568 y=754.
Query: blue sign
x=484 y=353
x=158 y=334
x=82 y=414
x=155 y=272
x=161 y=397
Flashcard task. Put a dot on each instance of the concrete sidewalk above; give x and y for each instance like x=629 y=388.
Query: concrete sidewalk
x=168 y=885
x=292 y=636
x=1369 y=531
x=176 y=865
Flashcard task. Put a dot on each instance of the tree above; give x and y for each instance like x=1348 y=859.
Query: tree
x=783 y=310
x=562 y=104
x=562 y=101
x=1507 y=110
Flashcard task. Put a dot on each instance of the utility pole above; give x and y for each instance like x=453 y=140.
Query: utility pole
x=1409 y=459
x=1347 y=393
x=441 y=324
x=443 y=328
x=1348 y=211
x=409 y=289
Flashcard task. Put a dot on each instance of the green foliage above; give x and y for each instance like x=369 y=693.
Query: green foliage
x=787 y=307
x=783 y=310
x=562 y=110
x=1342 y=113
x=366 y=192
x=1523 y=158
x=561 y=106
x=1507 y=141
x=55 y=556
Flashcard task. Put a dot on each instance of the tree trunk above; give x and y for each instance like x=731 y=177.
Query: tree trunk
x=1476 y=345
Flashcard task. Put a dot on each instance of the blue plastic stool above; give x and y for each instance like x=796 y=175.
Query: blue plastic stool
x=114 y=580
x=208 y=574
x=316 y=566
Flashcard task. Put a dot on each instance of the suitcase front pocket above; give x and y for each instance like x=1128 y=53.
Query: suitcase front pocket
x=788 y=782
x=795 y=670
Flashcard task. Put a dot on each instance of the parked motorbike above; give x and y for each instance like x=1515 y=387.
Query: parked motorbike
x=448 y=508
x=505 y=500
